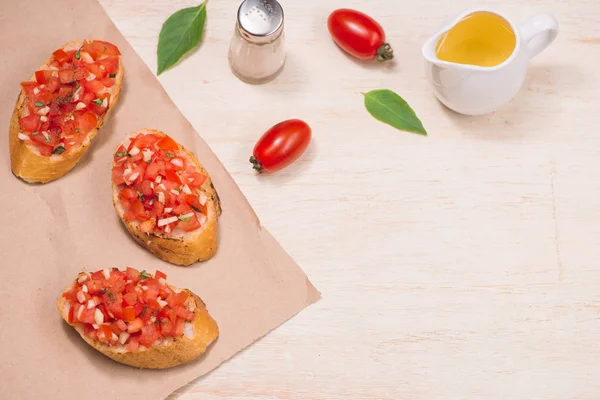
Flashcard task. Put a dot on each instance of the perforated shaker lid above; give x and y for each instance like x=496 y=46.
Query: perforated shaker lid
x=261 y=19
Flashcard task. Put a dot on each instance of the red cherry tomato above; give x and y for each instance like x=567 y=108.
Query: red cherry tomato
x=359 y=35
x=281 y=145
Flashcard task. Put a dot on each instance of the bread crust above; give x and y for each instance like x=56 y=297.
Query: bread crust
x=175 y=351
x=200 y=245
x=33 y=168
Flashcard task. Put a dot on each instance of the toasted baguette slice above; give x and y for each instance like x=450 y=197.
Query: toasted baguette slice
x=166 y=352
x=178 y=247
x=25 y=160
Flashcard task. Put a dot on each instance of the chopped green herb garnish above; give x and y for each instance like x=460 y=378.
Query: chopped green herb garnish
x=78 y=54
x=103 y=291
x=113 y=75
x=76 y=85
x=186 y=219
x=59 y=150
x=104 y=48
x=169 y=155
x=144 y=274
x=141 y=196
x=76 y=130
x=39 y=104
x=121 y=154
x=196 y=209
x=143 y=311
x=35 y=133
x=152 y=201
x=110 y=295
x=97 y=101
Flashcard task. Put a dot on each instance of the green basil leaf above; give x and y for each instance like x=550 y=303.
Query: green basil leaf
x=386 y=106
x=180 y=33
x=97 y=101
x=39 y=104
x=58 y=150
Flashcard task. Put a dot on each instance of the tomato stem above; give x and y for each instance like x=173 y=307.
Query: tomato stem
x=385 y=52
x=256 y=164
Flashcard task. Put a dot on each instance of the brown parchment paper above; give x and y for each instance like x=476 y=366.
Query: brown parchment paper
x=49 y=232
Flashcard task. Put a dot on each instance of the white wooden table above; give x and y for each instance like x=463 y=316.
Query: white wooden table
x=464 y=265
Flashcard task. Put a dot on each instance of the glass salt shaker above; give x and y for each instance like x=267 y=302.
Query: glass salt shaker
x=257 y=53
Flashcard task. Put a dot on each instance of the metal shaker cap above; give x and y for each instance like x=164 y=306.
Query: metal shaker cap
x=262 y=20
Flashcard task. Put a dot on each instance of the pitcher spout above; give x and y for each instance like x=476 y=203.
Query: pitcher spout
x=429 y=50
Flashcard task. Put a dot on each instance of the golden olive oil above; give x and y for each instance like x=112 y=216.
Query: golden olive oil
x=482 y=38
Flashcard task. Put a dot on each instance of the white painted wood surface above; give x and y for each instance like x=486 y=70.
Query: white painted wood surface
x=464 y=265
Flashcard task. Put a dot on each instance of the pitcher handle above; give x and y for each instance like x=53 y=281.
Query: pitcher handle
x=538 y=32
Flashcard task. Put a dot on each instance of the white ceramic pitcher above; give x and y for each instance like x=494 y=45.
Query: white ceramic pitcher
x=475 y=90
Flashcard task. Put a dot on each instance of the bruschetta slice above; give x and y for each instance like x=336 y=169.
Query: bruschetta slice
x=62 y=107
x=138 y=319
x=165 y=198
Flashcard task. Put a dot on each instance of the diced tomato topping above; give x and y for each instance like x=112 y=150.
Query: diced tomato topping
x=90 y=332
x=129 y=313
x=94 y=286
x=97 y=48
x=65 y=93
x=165 y=182
x=133 y=274
x=153 y=304
x=178 y=328
x=71 y=294
x=149 y=335
x=148 y=225
x=135 y=325
x=166 y=143
x=104 y=333
x=133 y=344
x=30 y=123
x=137 y=208
x=94 y=86
x=194 y=202
x=130 y=298
x=117 y=175
x=107 y=82
x=71 y=315
x=60 y=55
x=110 y=64
x=118 y=326
x=166 y=327
x=177 y=299
x=86 y=122
x=128 y=193
x=160 y=274
x=95 y=69
x=190 y=225
x=66 y=75
x=88 y=315
x=55 y=88
x=172 y=176
x=52 y=85
x=43 y=76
